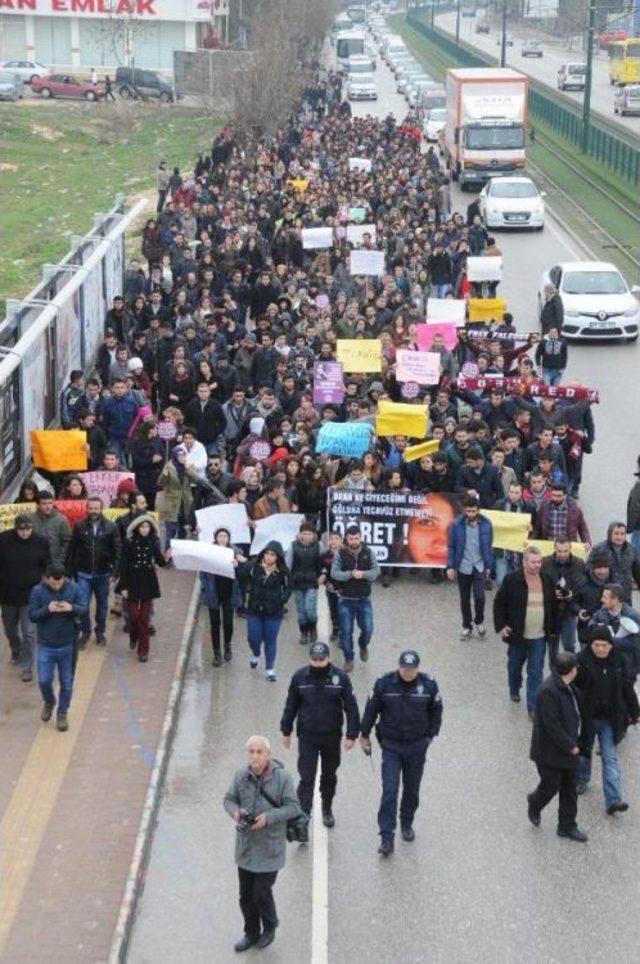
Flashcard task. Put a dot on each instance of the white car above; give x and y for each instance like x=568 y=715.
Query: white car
x=596 y=299
x=27 y=69
x=512 y=202
x=435 y=123
x=362 y=87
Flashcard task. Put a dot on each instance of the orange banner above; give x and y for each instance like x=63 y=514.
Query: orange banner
x=59 y=451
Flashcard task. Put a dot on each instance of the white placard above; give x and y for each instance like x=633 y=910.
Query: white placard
x=484 y=269
x=283 y=527
x=422 y=367
x=366 y=262
x=203 y=557
x=317 y=238
x=360 y=164
x=229 y=516
x=356 y=233
x=446 y=309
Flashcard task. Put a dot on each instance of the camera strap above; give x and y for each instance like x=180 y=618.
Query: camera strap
x=269 y=799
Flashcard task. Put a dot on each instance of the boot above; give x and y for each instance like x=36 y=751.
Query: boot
x=227 y=652
x=312 y=629
x=304 y=635
x=217 y=659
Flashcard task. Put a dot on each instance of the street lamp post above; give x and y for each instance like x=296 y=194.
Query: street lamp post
x=586 y=103
x=503 y=45
x=457 y=21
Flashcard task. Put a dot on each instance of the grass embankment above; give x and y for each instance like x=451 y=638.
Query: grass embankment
x=62 y=162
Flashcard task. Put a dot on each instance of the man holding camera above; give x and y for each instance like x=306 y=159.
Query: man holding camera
x=568 y=574
x=261 y=799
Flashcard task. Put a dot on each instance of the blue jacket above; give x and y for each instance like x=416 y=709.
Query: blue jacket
x=458 y=536
x=56 y=629
x=209 y=584
x=118 y=415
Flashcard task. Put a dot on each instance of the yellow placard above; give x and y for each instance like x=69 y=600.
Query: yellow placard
x=359 y=355
x=58 y=450
x=578 y=549
x=418 y=451
x=299 y=183
x=510 y=529
x=484 y=309
x=398 y=418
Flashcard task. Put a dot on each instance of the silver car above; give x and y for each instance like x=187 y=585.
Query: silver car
x=11 y=86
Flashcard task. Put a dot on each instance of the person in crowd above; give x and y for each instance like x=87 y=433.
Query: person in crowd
x=50 y=523
x=24 y=557
x=633 y=512
x=174 y=499
x=92 y=560
x=118 y=413
x=147 y=455
x=73 y=489
x=306 y=570
x=269 y=588
x=561 y=516
x=221 y=595
x=620 y=555
x=623 y=623
x=28 y=492
x=470 y=557
x=552 y=355
x=568 y=573
x=273 y=501
x=334 y=544
x=69 y=398
x=354 y=569
x=139 y=586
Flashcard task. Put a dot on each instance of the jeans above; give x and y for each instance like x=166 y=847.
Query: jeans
x=504 y=564
x=20 y=632
x=350 y=611
x=98 y=584
x=264 y=629
x=466 y=582
x=306 y=606
x=635 y=542
x=407 y=759
x=562 y=782
x=48 y=658
x=139 y=617
x=327 y=747
x=611 y=777
x=531 y=652
x=566 y=636
x=256 y=900
x=551 y=376
x=441 y=291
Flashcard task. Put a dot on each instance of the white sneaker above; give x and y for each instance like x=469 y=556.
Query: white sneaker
x=253 y=663
x=481 y=629
x=270 y=675
x=465 y=633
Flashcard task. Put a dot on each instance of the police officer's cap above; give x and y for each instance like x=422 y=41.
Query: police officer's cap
x=409 y=659
x=319 y=651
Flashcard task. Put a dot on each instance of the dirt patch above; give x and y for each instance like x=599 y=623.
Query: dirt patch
x=4 y=166
x=46 y=133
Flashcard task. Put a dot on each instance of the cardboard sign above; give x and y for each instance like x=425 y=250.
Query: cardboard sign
x=356 y=233
x=510 y=529
x=347 y=439
x=367 y=263
x=446 y=310
x=104 y=485
x=422 y=367
x=203 y=557
x=59 y=451
x=484 y=269
x=482 y=310
x=282 y=527
x=231 y=516
x=357 y=214
x=317 y=238
x=167 y=430
x=425 y=335
x=396 y=418
x=328 y=383
x=360 y=164
x=359 y=355
x=414 y=452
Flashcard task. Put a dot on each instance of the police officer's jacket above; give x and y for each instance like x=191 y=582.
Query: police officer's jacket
x=405 y=711
x=320 y=699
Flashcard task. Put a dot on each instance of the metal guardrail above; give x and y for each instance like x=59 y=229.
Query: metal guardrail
x=609 y=150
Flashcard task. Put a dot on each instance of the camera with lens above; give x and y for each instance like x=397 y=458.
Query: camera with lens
x=562 y=588
x=244 y=821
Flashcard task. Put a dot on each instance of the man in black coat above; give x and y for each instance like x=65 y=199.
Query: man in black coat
x=24 y=556
x=92 y=560
x=557 y=730
x=479 y=478
x=551 y=310
x=206 y=416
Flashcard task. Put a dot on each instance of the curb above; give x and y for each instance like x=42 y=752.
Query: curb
x=136 y=876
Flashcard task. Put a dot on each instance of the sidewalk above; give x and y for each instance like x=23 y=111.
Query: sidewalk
x=71 y=803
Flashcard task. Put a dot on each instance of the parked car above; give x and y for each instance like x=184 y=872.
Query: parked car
x=532 y=48
x=132 y=83
x=27 y=69
x=362 y=87
x=596 y=299
x=435 y=123
x=11 y=86
x=482 y=26
x=572 y=76
x=626 y=100
x=512 y=202
x=64 y=85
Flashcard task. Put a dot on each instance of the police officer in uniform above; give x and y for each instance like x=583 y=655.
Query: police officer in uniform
x=320 y=696
x=408 y=707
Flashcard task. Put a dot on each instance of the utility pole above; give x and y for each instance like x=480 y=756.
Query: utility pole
x=457 y=21
x=503 y=45
x=433 y=12
x=586 y=103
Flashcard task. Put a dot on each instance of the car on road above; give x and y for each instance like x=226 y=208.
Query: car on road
x=358 y=64
x=532 y=48
x=512 y=202
x=362 y=87
x=11 y=86
x=626 y=100
x=508 y=40
x=435 y=123
x=27 y=69
x=572 y=76
x=67 y=86
x=482 y=26
x=598 y=303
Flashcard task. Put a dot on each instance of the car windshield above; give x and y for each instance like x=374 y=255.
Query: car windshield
x=633 y=93
x=438 y=115
x=576 y=69
x=490 y=138
x=363 y=79
x=360 y=68
x=513 y=189
x=593 y=283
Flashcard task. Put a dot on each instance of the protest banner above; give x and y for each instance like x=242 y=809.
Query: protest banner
x=203 y=557
x=510 y=529
x=533 y=389
x=547 y=546
x=422 y=367
x=360 y=164
x=328 y=383
x=426 y=333
x=414 y=452
x=298 y=184
x=167 y=430
x=446 y=310
x=398 y=418
x=484 y=268
x=282 y=527
x=357 y=214
x=59 y=451
x=486 y=309
x=401 y=528
x=229 y=516
x=9 y=512
x=359 y=355
x=72 y=509
x=348 y=439
x=356 y=233
x=104 y=485
x=317 y=238
x=484 y=334
x=362 y=261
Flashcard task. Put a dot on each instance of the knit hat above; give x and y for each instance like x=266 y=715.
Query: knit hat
x=126 y=486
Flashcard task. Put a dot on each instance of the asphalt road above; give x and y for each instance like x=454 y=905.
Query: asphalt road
x=479 y=884
x=545 y=68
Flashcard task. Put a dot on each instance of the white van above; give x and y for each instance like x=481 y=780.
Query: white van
x=572 y=76
x=348 y=44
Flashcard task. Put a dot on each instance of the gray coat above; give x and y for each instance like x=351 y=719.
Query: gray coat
x=56 y=530
x=263 y=851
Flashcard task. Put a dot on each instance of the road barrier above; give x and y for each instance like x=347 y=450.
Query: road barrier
x=612 y=152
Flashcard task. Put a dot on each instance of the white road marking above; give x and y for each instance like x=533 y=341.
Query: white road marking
x=320 y=842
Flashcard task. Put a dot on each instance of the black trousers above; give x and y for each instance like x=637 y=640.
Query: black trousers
x=475 y=581
x=256 y=901
x=327 y=748
x=563 y=782
x=227 y=624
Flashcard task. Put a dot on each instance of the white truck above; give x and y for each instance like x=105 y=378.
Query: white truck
x=486 y=123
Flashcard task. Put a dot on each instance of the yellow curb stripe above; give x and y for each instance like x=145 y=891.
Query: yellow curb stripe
x=27 y=815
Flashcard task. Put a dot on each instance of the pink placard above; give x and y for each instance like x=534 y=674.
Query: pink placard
x=425 y=334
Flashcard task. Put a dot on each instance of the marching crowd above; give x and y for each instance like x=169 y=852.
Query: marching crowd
x=204 y=390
